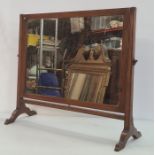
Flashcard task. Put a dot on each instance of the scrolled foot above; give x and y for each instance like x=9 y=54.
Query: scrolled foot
x=136 y=134
x=30 y=112
x=13 y=117
x=8 y=121
x=126 y=134
x=119 y=146
x=19 y=111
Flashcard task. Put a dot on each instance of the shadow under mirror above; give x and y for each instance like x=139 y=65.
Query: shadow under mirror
x=56 y=46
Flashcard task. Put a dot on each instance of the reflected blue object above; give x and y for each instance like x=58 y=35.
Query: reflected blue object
x=48 y=80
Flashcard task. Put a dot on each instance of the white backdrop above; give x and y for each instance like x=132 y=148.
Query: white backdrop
x=9 y=28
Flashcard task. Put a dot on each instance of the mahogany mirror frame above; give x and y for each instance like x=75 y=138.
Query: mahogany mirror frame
x=123 y=110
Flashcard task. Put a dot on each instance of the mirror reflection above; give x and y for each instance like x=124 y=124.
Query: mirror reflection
x=55 y=45
x=86 y=87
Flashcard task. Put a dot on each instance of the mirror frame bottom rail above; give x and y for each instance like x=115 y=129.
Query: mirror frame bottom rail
x=118 y=108
x=69 y=107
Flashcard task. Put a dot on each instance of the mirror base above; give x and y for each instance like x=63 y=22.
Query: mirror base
x=19 y=111
x=125 y=135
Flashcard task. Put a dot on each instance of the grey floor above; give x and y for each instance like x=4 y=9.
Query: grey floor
x=58 y=132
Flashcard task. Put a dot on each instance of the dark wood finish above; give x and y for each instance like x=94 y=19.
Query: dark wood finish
x=114 y=108
x=18 y=111
x=127 y=61
x=76 y=108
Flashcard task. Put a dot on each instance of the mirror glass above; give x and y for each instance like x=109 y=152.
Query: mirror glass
x=86 y=87
x=52 y=45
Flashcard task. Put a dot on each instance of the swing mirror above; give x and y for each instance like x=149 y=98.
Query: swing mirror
x=79 y=61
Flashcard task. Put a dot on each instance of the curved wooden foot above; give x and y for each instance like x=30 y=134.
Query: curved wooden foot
x=18 y=112
x=126 y=134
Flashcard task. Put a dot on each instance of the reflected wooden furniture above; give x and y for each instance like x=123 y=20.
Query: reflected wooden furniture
x=88 y=76
x=122 y=110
